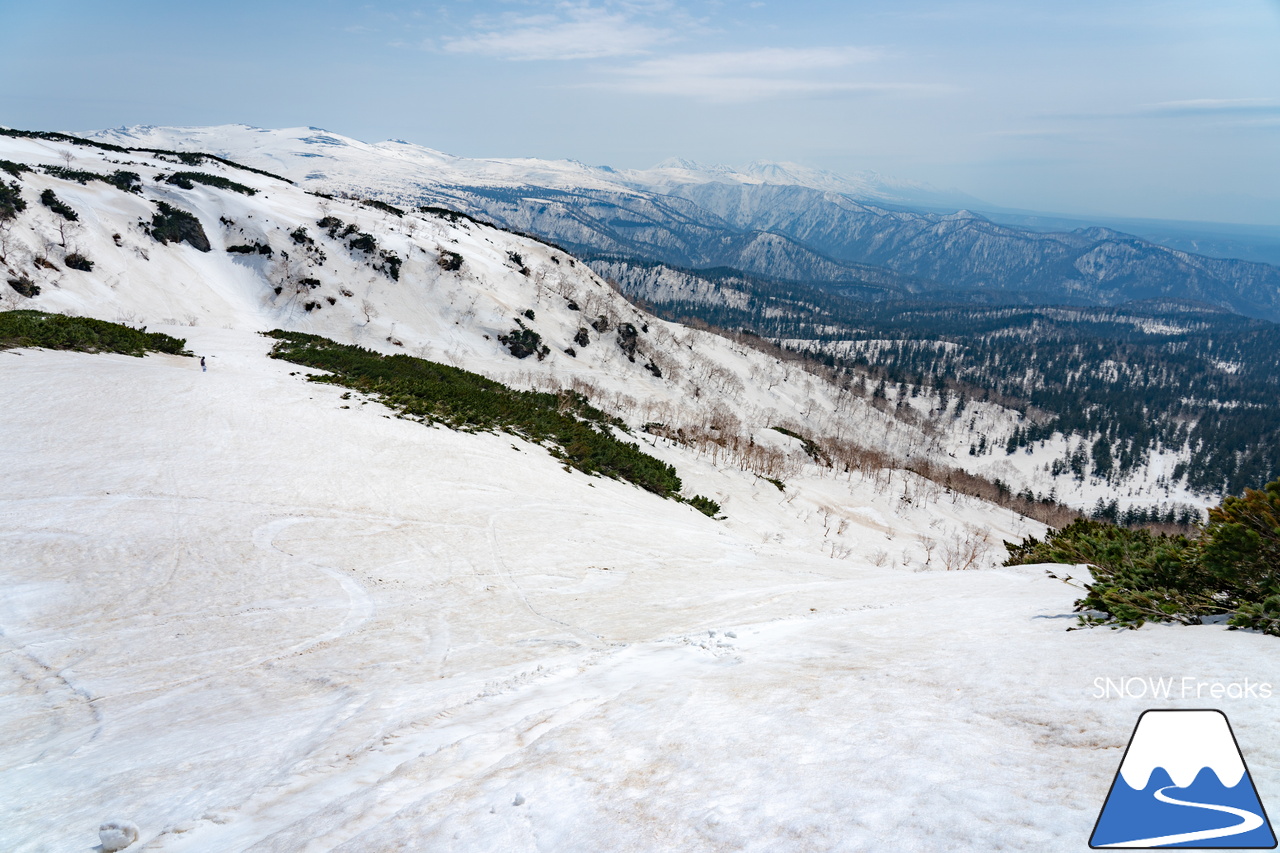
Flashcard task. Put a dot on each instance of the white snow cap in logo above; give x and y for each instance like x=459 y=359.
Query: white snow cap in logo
x=1183 y=743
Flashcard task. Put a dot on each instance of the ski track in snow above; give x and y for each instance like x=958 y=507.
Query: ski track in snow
x=361 y=605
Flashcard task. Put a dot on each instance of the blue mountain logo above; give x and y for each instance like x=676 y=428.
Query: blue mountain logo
x=1183 y=783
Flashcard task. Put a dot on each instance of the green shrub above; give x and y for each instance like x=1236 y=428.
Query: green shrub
x=56 y=331
x=704 y=505
x=1137 y=576
x=11 y=203
x=453 y=216
x=331 y=224
x=15 y=169
x=1263 y=616
x=382 y=205
x=1233 y=567
x=130 y=182
x=363 y=243
x=449 y=261
x=1240 y=545
x=390 y=265
x=50 y=200
x=25 y=287
x=523 y=342
x=171 y=225
x=251 y=249
x=185 y=179
x=78 y=175
x=572 y=429
x=77 y=261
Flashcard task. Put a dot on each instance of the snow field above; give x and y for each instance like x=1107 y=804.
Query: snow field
x=246 y=618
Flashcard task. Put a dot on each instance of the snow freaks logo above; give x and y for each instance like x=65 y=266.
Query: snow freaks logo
x=1183 y=783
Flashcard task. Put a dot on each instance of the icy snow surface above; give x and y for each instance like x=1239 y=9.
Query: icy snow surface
x=249 y=619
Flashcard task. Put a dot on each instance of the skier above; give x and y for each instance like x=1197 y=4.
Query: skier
x=203 y=369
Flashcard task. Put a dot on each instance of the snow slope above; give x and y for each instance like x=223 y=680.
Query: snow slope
x=248 y=618
x=452 y=316
x=249 y=614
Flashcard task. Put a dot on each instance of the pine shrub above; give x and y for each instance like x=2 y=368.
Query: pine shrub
x=571 y=428
x=50 y=200
x=185 y=181
x=449 y=261
x=1232 y=567
x=171 y=225
x=11 y=203
x=57 y=331
x=24 y=286
x=704 y=505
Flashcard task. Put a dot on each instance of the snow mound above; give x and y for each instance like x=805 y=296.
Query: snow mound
x=117 y=835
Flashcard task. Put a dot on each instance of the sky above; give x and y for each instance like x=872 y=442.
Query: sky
x=1164 y=109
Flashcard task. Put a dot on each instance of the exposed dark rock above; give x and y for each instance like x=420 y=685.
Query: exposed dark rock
x=628 y=337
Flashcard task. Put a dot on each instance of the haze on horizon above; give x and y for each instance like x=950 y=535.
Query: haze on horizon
x=1165 y=110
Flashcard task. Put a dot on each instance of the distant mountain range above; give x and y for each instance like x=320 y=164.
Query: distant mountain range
x=856 y=233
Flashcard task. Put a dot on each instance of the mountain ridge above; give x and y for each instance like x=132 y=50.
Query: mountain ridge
x=693 y=216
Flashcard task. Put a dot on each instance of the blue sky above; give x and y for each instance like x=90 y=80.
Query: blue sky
x=1158 y=109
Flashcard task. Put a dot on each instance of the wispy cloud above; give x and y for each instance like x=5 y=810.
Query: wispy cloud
x=748 y=75
x=1213 y=107
x=577 y=32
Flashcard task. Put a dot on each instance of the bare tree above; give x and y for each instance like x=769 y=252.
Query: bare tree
x=6 y=239
x=966 y=550
x=66 y=230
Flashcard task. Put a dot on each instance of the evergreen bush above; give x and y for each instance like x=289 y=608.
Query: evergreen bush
x=1240 y=545
x=11 y=203
x=50 y=200
x=572 y=429
x=1232 y=567
x=171 y=225
x=57 y=331
x=704 y=505
x=77 y=261
x=383 y=206
x=130 y=182
x=185 y=179
x=390 y=265
x=524 y=342
x=25 y=287
x=363 y=243
x=78 y=175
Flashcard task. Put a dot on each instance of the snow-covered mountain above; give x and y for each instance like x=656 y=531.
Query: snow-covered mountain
x=777 y=220
x=315 y=154
x=284 y=257
x=430 y=284
x=249 y=612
